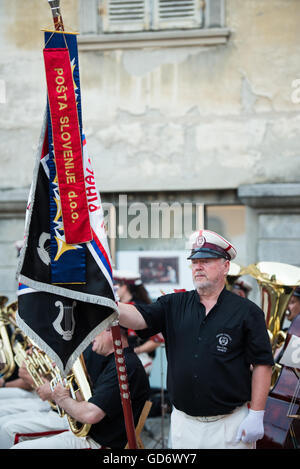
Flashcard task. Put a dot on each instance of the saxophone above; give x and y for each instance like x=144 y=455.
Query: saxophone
x=7 y=362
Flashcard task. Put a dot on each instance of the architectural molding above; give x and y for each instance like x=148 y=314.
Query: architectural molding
x=273 y=195
x=178 y=38
x=13 y=202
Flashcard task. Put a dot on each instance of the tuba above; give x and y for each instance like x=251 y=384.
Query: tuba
x=7 y=362
x=77 y=382
x=277 y=282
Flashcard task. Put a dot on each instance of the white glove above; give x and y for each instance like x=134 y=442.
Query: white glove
x=252 y=427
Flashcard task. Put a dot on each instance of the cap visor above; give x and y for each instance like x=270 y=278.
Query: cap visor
x=205 y=255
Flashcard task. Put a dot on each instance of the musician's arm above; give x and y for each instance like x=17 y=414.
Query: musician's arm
x=147 y=347
x=16 y=383
x=261 y=381
x=130 y=317
x=83 y=411
x=26 y=381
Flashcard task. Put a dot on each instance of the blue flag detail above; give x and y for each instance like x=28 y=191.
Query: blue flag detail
x=68 y=262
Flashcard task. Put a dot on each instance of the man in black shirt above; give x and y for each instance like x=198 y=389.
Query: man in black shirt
x=104 y=409
x=218 y=351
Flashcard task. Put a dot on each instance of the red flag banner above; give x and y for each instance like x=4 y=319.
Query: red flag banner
x=67 y=146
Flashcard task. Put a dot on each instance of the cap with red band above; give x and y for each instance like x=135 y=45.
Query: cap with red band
x=208 y=244
x=124 y=276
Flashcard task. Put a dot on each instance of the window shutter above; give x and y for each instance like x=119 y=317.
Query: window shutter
x=124 y=15
x=88 y=16
x=175 y=14
x=214 y=13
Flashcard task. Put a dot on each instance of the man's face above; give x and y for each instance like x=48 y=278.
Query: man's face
x=209 y=273
x=293 y=307
x=103 y=343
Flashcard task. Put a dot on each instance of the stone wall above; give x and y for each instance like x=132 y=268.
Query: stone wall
x=191 y=119
x=177 y=118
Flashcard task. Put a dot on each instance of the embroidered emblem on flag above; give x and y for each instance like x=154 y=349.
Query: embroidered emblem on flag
x=63 y=318
x=67 y=146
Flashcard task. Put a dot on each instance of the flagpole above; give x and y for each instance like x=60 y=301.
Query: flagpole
x=124 y=387
x=118 y=350
x=57 y=18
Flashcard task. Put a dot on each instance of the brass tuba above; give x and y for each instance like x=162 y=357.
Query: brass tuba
x=7 y=362
x=277 y=282
x=77 y=382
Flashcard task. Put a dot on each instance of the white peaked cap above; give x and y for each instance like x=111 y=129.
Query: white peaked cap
x=208 y=244
x=127 y=276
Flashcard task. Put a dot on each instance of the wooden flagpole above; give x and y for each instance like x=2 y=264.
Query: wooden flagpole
x=57 y=18
x=124 y=387
x=118 y=350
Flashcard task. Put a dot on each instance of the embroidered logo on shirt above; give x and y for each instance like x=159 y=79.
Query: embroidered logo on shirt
x=223 y=341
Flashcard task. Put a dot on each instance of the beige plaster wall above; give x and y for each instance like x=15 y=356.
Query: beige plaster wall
x=164 y=119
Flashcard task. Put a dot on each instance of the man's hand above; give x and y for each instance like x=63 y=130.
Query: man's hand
x=44 y=391
x=60 y=394
x=252 y=427
x=25 y=375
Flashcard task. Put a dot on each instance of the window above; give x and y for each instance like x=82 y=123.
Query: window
x=100 y=20
x=145 y=15
x=229 y=221
x=165 y=225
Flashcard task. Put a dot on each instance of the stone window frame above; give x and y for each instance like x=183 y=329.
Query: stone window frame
x=211 y=31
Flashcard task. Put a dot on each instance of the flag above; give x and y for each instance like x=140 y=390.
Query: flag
x=66 y=294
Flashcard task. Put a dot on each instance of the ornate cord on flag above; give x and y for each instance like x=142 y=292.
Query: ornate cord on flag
x=124 y=386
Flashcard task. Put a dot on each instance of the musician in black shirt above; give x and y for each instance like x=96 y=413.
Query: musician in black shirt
x=218 y=351
x=104 y=409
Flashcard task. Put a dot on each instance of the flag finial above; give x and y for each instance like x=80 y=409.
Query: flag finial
x=57 y=18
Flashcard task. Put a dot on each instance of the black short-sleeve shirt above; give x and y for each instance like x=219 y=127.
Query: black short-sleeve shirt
x=209 y=356
x=111 y=430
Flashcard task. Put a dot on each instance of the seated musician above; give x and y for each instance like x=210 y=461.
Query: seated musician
x=241 y=288
x=293 y=308
x=104 y=409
